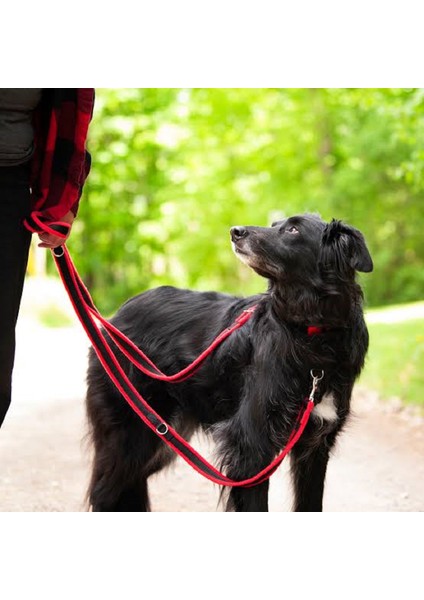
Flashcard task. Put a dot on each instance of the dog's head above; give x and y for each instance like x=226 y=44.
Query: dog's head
x=303 y=252
x=301 y=247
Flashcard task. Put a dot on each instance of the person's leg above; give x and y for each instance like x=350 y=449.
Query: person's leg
x=14 y=248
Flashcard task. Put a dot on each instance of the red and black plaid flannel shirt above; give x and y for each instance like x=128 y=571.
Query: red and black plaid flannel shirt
x=60 y=164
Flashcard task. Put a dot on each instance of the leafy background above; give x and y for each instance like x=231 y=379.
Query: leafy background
x=174 y=169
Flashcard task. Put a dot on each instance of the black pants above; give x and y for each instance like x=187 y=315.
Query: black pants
x=14 y=248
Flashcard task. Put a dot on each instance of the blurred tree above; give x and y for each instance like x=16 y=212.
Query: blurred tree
x=174 y=169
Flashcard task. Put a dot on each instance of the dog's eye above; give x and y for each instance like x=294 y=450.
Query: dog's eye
x=292 y=229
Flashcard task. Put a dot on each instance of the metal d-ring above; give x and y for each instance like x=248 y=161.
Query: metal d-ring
x=58 y=248
x=162 y=429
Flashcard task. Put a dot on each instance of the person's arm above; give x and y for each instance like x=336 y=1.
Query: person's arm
x=61 y=162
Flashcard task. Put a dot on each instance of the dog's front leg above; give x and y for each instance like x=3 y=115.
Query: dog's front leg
x=308 y=470
x=254 y=499
x=242 y=458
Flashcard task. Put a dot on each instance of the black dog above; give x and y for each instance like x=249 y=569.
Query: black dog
x=247 y=395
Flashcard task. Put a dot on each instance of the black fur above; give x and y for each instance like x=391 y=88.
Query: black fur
x=248 y=393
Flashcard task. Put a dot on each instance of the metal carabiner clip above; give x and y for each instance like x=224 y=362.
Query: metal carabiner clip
x=315 y=380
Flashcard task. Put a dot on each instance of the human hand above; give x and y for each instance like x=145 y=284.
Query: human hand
x=53 y=241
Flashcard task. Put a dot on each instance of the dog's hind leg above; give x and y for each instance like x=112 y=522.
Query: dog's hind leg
x=132 y=498
x=124 y=457
x=118 y=484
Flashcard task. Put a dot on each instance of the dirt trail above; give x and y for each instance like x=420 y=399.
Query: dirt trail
x=44 y=464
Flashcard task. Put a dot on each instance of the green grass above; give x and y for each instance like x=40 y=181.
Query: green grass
x=395 y=362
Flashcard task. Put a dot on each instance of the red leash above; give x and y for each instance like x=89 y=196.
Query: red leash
x=89 y=315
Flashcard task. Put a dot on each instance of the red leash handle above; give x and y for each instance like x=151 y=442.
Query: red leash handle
x=37 y=223
x=88 y=316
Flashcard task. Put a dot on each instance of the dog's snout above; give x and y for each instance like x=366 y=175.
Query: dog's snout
x=238 y=232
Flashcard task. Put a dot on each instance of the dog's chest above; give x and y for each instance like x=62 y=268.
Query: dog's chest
x=326 y=410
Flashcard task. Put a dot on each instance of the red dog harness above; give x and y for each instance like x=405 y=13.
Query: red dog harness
x=90 y=319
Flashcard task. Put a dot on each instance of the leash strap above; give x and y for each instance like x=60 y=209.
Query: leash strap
x=88 y=314
x=134 y=354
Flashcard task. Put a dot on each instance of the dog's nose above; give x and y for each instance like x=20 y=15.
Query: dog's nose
x=238 y=232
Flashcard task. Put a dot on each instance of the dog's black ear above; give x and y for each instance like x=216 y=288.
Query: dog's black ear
x=343 y=246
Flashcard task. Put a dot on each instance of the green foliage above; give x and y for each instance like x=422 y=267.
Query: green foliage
x=174 y=169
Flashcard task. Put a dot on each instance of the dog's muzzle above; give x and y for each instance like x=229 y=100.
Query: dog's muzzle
x=238 y=233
